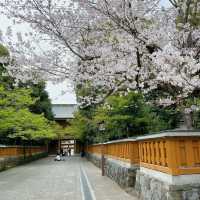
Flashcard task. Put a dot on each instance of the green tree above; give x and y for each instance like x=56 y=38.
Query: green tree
x=5 y=79
x=83 y=127
x=3 y=51
x=16 y=121
x=126 y=116
x=188 y=11
x=43 y=103
x=123 y=116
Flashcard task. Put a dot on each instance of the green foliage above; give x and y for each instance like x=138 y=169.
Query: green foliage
x=5 y=79
x=24 y=125
x=82 y=127
x=126 y=116
x=196 y=119
x=16 y=121
x=24 y=110
x=123 y=116
x=189 y=12
x=59 y=131
x=3 y=51
x=169 y=115
x=193 y=102
x=17 y=98
x=43 y=103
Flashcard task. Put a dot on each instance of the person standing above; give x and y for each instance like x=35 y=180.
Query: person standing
x=69 y=151
x=61 y=152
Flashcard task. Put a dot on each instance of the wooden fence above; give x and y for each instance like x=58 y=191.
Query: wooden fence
x=94 y=149
x=174 y=156
x=171 y=153
x=125 y=150
x=20 y=150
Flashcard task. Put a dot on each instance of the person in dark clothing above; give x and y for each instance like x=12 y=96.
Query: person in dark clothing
x=69 y=152
x=61 y=152
x=82 y=153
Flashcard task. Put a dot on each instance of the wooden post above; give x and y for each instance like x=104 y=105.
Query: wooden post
x=59 y=144
x=172 y=156
x=75 y=147
x=132 y=161
x=102 y=160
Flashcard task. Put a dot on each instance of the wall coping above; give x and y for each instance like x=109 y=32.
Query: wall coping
x=164 y=134
x=122 y=140
x=98 y=144
x=115 y=141
x=178 y=133
x=19 y=146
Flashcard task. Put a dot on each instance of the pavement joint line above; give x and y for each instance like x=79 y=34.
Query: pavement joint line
x=82 y=193
x=88 y=184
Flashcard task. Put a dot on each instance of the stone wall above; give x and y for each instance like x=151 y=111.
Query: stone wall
x=121 y=172
x=168 y=164
x=8 y=162
x=95 y=159
x=148 y=187
x=143 y=185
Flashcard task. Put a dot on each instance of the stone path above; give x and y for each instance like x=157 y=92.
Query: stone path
x=45 y=179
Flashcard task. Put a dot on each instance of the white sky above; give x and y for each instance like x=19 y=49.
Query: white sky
x=165 y=3
x=61 y=93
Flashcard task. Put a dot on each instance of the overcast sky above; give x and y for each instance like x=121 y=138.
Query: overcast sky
x=59 y=92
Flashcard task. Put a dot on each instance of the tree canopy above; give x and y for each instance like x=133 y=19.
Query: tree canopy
x=122 y=116
x=16 y=121
x=19 y=117
x=116 y=45
x=116 y=48
x=42 y=102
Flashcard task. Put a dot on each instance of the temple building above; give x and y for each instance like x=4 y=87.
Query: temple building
x=64 y=105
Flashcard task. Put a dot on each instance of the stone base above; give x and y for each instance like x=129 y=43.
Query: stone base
x=8 y=162
x=149 y=184
x=121 y=172
x=95 y=159
x=148 y=187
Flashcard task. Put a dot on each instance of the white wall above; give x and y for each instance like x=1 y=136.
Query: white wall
x=63 y=111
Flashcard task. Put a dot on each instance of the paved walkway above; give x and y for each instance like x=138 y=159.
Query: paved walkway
x=45 y=179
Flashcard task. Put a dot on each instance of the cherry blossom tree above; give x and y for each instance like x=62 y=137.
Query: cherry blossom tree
x=114 y=45
x=152 y=48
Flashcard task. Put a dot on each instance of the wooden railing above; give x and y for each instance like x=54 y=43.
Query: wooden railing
x=155 y=153
x=174 y=156
x=94 y=149
x=123 y=150
x=20 y=150
x=171 y=152
x=126 y=150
